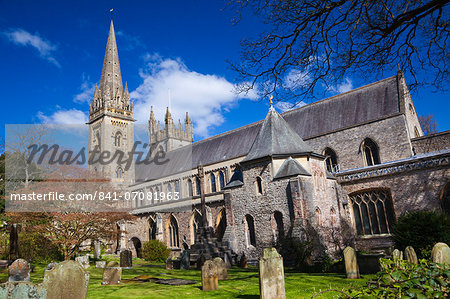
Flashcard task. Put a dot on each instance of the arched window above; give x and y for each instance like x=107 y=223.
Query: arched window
x=119 y=173
x=318 y=217
x=152 y=229
x=196 y=222
x=117 y=139
x=250 y=236
x=333 y=219
x=370 y=152
x=213 y=183
x=173 y=232
x=221 y=224
x=190 y=187
x=169 y=190
x=330 y=160
x=177 y=187
x=221 y=179
x=197 y=185
x=279 y=227
x=259 y=186
x=373 y=212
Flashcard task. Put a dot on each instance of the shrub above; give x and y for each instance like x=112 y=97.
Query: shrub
x=421 y=230
x=295 y=253
x=406 y=280
x=35 y=247
x=155 y=251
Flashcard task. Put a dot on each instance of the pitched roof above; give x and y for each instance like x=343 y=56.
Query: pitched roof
x=371 y=102
x=111 y=79
x=275 y=136
x=290 y=167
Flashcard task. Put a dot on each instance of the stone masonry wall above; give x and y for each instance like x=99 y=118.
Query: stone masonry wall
x=431 y=143
x=389 y=134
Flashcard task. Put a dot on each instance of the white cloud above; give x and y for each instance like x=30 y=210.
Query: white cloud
x=64 y=117
x=87 y=91
x=296 y=79
x=286 y=106
x=24 y=38
x=204 y=96
x=345 y=86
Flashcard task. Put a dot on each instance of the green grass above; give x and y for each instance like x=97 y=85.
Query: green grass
x=241 y=283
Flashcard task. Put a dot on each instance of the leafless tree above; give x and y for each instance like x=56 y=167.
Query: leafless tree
x=310 y=45
x=428 y=124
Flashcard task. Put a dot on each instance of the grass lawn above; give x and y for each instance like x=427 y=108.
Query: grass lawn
x=241 y=283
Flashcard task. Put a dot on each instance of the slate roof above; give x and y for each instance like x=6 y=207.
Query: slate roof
x=290 y=167
x=275 y=136
x=371 y=102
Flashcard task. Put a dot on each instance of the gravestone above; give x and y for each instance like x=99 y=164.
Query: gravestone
x=185 y=260
x=112 y=276
x=169 y=264
x=83 y=260
x=271 y=275
x=97 y=250
x=210 y=280
x=243 y=261
x=100 y=264
x=351 y=264
x=227 y=259
x=66 y=280
x=397 y=256
x=440 y=253
x=112 y=264
x=126 y=259
x=19 y=270
x=410 y=255
x=13 y=242
x=22 y=290
x=222 y=272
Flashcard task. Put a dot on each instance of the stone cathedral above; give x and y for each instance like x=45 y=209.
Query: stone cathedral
x=336 y=172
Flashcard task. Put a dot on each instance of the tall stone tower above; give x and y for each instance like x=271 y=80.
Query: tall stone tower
x=111 y=118
x=171 y=136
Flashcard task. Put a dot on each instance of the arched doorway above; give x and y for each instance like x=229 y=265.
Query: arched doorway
x=137 y=246
x=221 y=224
x=195 y=223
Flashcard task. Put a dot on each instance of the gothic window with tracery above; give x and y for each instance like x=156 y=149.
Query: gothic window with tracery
x=370 y=152
x=173 y=232
x=117 y=139
x=213 y=183
x=119 y=173
x=221 y=180
x=330 y=159
x=373 y=212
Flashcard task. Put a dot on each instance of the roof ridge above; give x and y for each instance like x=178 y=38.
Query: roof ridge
x=296 y=109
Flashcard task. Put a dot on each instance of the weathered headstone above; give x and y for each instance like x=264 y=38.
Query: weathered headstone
x=66 y=280
x=271 y=275
x=243 y=262
x=100 y=264
x=397 y=256
x=112 y=276
x=169 y=264
x=222 y=272
x=210 y=280
x=19 y=270
x=97 y=250
x=440 y=253
x=351 y=264
x=410 y=255
x=112 y=264
x=185 y=260
x=83 y=260
x=22 y=290
x=126 y=259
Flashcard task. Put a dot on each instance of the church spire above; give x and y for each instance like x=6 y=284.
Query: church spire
x=168 y=118
x=111 y=79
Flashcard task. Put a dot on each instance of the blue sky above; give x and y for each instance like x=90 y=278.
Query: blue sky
x=52 y=54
